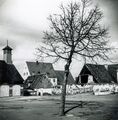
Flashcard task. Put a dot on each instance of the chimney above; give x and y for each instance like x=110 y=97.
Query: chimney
x=37 y=62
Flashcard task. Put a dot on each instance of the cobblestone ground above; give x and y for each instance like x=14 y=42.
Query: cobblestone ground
x=79 y=107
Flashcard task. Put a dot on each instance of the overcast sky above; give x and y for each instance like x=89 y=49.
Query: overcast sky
x=23 y=21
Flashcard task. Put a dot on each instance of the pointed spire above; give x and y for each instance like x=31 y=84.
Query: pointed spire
x=7 y=42
x=7 y=47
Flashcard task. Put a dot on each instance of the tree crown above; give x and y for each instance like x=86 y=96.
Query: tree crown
x=76 y=31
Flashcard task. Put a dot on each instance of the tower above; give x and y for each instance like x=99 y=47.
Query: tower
x=7 y=54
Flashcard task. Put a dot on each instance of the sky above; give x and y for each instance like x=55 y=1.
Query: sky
x=22 y=23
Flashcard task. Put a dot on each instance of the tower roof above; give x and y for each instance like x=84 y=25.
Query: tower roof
x=7 y=48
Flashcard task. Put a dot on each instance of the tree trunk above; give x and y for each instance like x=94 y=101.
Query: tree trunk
x=63 y=96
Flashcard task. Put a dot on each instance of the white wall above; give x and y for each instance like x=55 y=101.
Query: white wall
x=53 y=81
x=4 y=90
x=90 y=79
x=25 y=72
x=42 y=90
x=16 y=90
x=117 y=75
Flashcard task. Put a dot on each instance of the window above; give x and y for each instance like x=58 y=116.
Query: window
x=53 y=80
x=25 y=73
x=28 y=84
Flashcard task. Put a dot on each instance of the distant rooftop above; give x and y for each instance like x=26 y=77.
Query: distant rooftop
x=60 y=77
x=41 y=67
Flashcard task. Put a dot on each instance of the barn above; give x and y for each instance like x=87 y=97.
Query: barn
x=100 y=74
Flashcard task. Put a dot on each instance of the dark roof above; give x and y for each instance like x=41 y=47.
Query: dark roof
x=113 y=69
x=7 y=48
x=40 y=67
x=99 y=72
x=60 y=77
x=9 y=74
x=38 y=81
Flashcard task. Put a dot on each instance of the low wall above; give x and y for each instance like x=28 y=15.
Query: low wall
x=43 y=91
x=78 y=89
x=105 y=89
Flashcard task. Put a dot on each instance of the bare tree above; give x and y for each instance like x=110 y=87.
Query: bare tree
x=75 y=31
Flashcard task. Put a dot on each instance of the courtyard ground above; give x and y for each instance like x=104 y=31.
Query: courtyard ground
x=85 y=107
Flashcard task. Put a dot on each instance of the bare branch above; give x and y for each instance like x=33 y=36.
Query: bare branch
x=76 y=31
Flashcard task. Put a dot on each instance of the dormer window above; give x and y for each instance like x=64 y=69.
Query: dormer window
x=53 y=80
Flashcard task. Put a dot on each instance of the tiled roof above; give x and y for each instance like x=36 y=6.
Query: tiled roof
x=38 y=81
x=60 y=77
x=9 y=74
x=113 y=69
x=40 y=68
x=99 y=72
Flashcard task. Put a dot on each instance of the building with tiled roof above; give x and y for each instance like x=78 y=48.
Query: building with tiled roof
x=35 y=69
x=101 y=74
x=37 y=82
x=10 y=79
x=41 y=67
x=9 y=74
